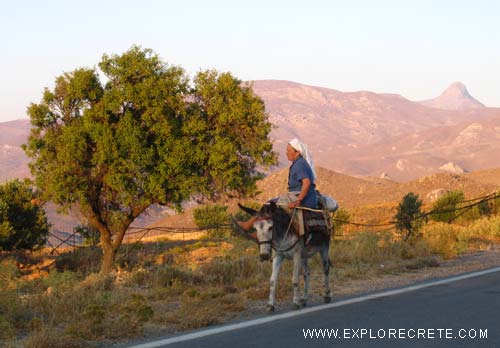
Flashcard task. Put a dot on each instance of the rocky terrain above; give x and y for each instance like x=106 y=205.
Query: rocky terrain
x=370 y=134
x=455 y=97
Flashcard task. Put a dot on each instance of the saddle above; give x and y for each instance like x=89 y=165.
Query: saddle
x=321 y=222
x=316 y=222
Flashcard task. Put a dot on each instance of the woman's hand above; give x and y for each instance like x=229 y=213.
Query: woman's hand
x=293 y=205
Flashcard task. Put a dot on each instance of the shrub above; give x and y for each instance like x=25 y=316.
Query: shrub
x=481 y=209
x=23 y=223
x=445 y=240
x=224 y=271
x=61 y=281
x=495 y=204
x=54 y=339
x=89 y=234
x=8 y=273
x=365 y=247
x=339 y=217
x=84 y=260
x=211 y=215
x=6 y=329
x=445 y=207
x=408 y=216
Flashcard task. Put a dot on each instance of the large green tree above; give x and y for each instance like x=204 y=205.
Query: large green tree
x=147 y=135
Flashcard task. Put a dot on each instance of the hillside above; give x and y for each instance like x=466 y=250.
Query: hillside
x=469 y=146
x=371 y=199
x=354 y=192
x=13 y=160
x=342 y=127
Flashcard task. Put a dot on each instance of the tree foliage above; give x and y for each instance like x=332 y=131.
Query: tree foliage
x=23 y=223
x=212 y=215
x=445 y=207
x=409 y=215
x=89 y=234
x=144 y=136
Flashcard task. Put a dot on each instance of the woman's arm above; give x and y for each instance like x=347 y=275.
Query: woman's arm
x=306 y=184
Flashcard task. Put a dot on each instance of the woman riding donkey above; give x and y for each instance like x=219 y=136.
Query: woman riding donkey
x=301 y=186
x=280 y=226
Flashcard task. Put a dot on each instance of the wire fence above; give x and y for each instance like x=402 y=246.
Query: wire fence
x=64 y=237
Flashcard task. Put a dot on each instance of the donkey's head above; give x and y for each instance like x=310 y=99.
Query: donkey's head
x=264 y=226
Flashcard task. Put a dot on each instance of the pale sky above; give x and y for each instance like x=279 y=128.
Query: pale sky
x=413 y=48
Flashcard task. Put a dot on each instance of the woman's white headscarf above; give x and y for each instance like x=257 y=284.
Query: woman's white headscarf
x=304 y=151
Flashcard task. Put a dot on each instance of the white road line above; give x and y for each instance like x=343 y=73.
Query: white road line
x=232 y=327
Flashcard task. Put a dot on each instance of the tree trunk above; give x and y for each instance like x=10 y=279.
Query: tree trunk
x=108 y=259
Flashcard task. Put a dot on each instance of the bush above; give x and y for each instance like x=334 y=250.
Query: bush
x=445 y=207
x=6 y=329
x=444 y=239
x=408 y=216
x=23 y=223
x=53 y=339
x=89 y=234
x=495 y=204
x=339 y=217
x=8 y=273
x=211 y=215
x=224 y=271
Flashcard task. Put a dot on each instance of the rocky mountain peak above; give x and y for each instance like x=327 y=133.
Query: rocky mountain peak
x=455 y=97
x=457 y=89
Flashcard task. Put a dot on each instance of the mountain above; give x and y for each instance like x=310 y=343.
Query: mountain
x=355 y=132
x=463 y=147
x=13 y=160
x=455 y=97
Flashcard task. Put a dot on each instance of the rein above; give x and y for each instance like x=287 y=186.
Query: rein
x=270 y=241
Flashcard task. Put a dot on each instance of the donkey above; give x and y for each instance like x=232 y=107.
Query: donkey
x=275 y=231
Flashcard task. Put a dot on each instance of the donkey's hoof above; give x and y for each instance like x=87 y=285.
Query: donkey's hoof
x=295 y=306
x=303 y=302
x=270 y=308
x=327 y=299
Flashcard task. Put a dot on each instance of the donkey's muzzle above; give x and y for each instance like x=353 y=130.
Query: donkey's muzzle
x=264 y=257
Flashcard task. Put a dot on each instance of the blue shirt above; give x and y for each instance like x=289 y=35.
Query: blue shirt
x=300 y=170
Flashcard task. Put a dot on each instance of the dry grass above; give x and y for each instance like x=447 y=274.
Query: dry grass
x=179 y=285
x=449 y=240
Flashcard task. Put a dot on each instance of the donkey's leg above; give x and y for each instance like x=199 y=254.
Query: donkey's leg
x=297 y=263
x=278 y=259
x=307 y=278
x=326 y=271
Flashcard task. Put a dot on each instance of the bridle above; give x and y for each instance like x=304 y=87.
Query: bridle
x=270 y=241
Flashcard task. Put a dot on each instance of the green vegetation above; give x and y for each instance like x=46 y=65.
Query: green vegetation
x=144 y=136
x=212 y=215
x=408 y=216
x=446 y=206
x=341 y=217
x=90 y=234
x=23 y=223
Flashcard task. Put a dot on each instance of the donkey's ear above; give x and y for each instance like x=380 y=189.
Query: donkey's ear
x=273 y=207
x=250 y=211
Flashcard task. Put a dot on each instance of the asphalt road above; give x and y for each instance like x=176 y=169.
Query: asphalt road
x=436 y=316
